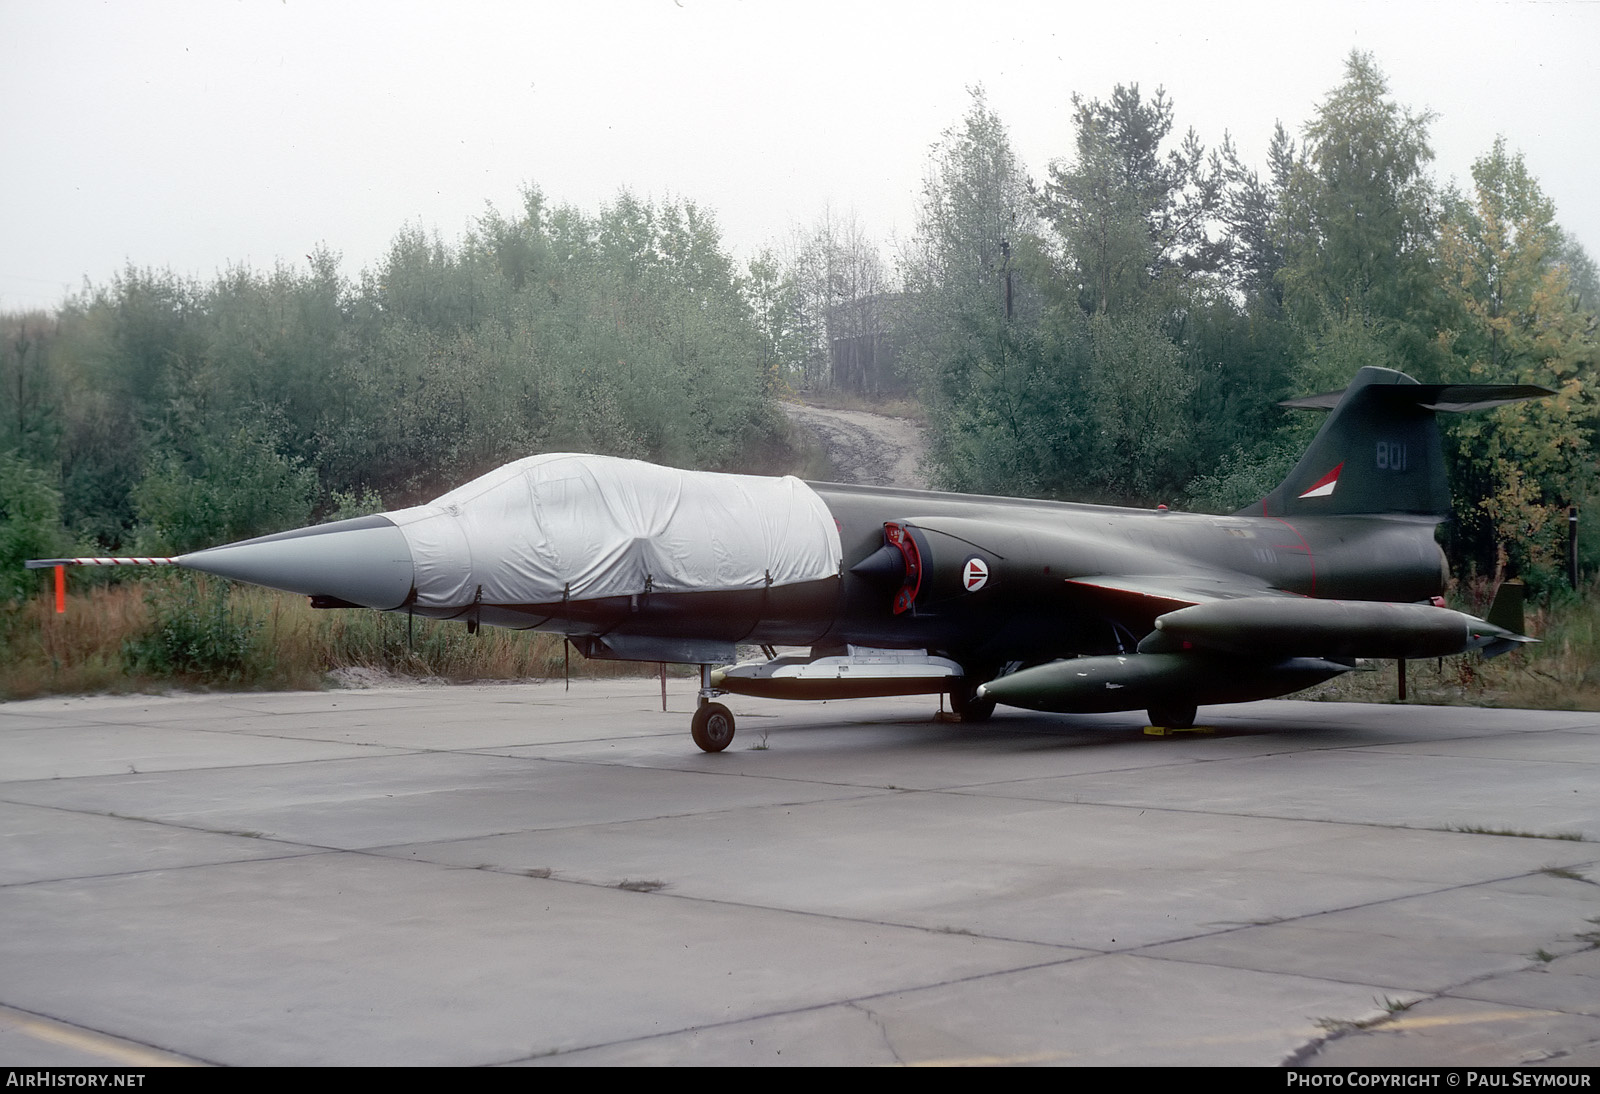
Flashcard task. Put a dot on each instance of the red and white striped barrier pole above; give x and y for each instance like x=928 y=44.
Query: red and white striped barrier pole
x=60 y=566
x=41 y=563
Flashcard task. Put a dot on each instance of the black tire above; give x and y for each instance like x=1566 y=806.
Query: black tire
x=712 y=727
x=965 y=704
x=1172 y=715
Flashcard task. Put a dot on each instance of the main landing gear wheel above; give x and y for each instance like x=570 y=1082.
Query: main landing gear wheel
x=1172 y=715
x=965 y=704
x=712 y=727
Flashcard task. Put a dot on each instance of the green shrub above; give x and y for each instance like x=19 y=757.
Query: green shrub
x=195 y=632
x=30 y=525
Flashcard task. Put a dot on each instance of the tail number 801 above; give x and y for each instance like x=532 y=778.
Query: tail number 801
x=1391 y=456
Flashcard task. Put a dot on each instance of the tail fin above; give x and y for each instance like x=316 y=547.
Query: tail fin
x=1506 y=610
x=1506 y=615
x=1379 y=450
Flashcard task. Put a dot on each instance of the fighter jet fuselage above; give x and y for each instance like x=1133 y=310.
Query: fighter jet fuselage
x=1033 y=591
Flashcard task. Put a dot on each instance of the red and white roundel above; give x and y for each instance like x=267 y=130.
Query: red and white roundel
x=974 y=574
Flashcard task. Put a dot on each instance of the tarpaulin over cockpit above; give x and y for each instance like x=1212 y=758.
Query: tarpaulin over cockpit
x=564 y=526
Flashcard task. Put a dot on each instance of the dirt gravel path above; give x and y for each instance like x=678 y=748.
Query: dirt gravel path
x=866 y=449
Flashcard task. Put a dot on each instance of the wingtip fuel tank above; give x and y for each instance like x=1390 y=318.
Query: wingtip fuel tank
x=1268 y=626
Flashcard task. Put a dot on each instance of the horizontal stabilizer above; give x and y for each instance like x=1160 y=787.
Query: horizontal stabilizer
x=1379 y=450
x=1450 y=398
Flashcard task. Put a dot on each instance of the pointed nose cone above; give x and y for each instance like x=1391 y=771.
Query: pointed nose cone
x=365 y=561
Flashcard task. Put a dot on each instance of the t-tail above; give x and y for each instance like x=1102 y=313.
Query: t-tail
x=1379 y=451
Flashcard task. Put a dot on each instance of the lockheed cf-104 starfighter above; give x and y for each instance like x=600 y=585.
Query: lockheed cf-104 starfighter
x=1046 y=605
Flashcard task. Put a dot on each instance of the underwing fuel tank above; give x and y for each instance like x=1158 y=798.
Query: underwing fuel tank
x=1093 y=685
x=861 y=673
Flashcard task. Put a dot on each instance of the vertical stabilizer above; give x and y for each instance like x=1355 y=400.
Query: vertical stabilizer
x=1506 y=611
x=1379 y=451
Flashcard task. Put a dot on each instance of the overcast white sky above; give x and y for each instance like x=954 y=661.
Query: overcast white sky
x=198 y=135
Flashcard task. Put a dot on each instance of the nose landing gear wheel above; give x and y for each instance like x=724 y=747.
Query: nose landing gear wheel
x=712 y=727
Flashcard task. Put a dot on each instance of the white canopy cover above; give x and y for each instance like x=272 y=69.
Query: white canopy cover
x=587 y=527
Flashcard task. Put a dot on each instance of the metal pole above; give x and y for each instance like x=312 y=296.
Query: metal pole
x=1402 y=664
x=1572 y=546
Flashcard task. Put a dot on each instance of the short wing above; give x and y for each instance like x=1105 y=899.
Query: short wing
x=1171 y=591
x=1452 y=398
x=1136 y=600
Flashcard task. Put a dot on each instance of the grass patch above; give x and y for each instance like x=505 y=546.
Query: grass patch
x=1390 y=1008
x=641 y=886
x=1480 y=830
x=181 y=630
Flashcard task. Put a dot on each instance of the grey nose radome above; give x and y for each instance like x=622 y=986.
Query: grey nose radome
x=362 y=562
